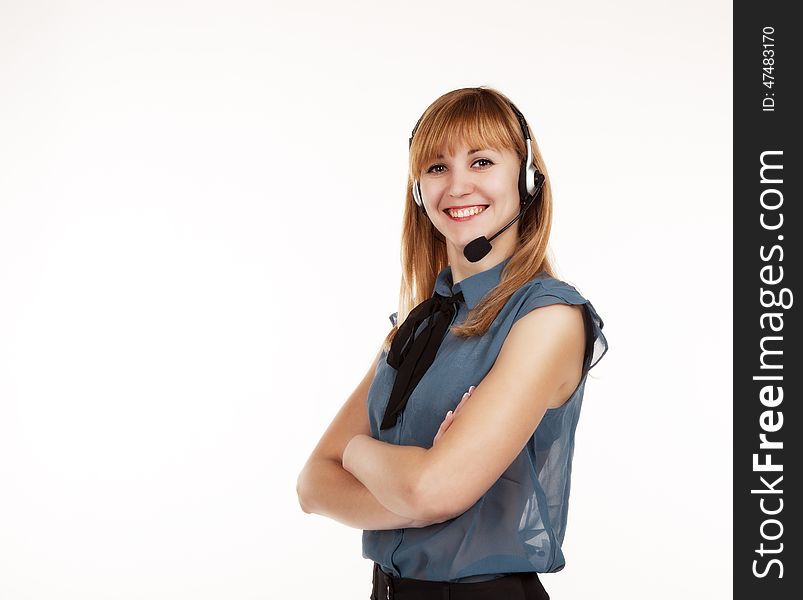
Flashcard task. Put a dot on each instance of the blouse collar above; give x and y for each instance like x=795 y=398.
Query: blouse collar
x=474 y=287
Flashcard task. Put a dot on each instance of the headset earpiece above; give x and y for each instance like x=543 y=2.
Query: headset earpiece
x=527 y=171
x=417 y=193
x=523 y=186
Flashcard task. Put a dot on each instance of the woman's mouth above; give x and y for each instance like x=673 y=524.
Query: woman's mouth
x=464 y=213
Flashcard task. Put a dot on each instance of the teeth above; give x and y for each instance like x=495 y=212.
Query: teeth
x=465 y=212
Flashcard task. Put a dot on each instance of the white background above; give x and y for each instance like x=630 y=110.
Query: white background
x=200 y=208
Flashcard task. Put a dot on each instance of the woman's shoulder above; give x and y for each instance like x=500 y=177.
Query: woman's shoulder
x=544 y=287
x=543 y=290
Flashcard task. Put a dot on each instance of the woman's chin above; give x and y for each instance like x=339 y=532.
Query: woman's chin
x=459 y=235
x=462 y=233
x=461 y=239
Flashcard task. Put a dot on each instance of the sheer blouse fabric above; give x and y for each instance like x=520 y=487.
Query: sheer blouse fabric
x=520 y=522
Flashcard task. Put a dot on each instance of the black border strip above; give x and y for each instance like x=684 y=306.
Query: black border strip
x=767 y=173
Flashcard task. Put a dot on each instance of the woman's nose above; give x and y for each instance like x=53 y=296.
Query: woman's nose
x=461 y=184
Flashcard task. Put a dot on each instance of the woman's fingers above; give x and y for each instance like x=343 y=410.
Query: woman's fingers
x=449 y=418
x=466 y=396
x=444 y=426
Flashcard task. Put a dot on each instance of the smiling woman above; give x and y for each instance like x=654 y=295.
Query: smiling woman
x=466 y=494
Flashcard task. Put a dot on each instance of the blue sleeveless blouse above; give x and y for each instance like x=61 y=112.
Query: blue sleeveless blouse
x=520 y=522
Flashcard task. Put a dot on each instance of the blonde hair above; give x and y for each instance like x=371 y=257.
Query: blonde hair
x=480 y=117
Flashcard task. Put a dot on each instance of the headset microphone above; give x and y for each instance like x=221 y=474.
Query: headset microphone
x=478 y=248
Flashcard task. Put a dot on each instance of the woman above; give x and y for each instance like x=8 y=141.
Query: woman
x=454 y=452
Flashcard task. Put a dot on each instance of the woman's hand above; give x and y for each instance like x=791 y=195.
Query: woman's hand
x=450 y=416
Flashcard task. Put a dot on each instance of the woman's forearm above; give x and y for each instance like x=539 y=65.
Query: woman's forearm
x=389 y=471
x=333 y=492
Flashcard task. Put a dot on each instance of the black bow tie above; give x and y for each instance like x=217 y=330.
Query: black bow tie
x=412 y=355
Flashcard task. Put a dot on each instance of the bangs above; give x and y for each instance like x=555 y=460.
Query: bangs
x=476 y=121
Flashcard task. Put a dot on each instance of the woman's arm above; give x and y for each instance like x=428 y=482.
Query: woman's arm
x=325 y=488
x=348 y=501
x=389 y=472
x=393 y=471
x=539 y=364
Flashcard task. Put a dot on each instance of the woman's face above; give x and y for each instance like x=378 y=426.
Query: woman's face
x=474 y=179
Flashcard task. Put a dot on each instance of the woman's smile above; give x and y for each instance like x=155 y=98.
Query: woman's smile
x=465 y=213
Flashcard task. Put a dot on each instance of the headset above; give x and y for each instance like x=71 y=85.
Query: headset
x=531 y=181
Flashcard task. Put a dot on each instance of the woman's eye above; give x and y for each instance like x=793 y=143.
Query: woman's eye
x=479 y=160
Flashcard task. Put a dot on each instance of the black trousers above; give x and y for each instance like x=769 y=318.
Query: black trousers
x=516 y=586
